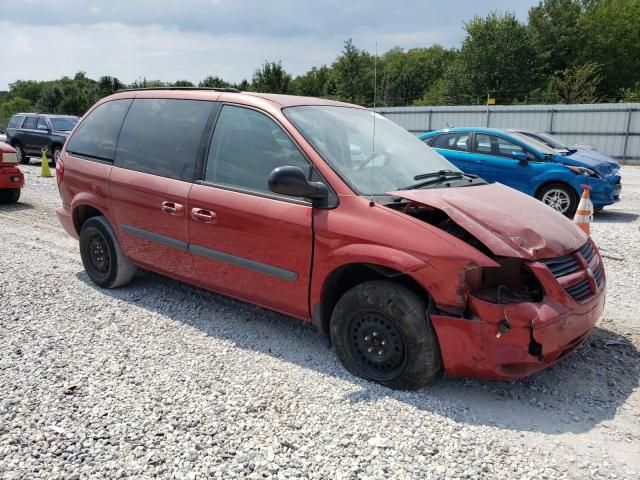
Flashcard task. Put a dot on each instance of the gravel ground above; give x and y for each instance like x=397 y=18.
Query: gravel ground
x=160 y=379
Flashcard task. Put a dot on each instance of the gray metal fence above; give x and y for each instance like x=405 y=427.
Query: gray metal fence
x=613 y=128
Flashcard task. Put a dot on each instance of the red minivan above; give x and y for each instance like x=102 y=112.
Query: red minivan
x=330 y=213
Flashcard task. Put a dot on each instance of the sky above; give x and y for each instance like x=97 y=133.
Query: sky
x=190 y=39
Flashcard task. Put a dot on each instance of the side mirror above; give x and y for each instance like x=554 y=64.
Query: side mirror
x=521 y=156
x=292 y=181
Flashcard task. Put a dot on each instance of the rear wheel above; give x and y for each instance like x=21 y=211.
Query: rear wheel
x=102 y=255
x=22 y=157
x=382 y=332
x=10 y=195
x=560 y=197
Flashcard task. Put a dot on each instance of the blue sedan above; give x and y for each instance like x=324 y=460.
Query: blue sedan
x=520 y=162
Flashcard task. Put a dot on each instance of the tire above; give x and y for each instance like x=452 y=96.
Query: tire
x=10 y=195
x=379 y=314
x=55 y=154
x=102 y=255
x=559 y=196
x=22 y=157
x=597 y=209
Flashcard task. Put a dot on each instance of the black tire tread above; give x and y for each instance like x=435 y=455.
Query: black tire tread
x=409 y=311
x=122 y=271
x=10 y=195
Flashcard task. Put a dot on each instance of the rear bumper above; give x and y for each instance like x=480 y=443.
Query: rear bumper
x=542 y=334
x=66 y=219
x=11 y=177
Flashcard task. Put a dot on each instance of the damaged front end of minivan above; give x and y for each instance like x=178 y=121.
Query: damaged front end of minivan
x=538 y=301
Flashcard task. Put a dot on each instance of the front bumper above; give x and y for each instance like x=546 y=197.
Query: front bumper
x=541 y=333
x=11 y=177
x=605 y=191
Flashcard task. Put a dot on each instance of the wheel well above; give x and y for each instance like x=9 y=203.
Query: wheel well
x=554 y=182
x=82 y=213
x=55 y=145
x=348 y=276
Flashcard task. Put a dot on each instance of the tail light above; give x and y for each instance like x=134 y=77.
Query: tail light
x=59 y=170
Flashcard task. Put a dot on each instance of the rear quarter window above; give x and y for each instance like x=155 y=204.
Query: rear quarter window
x=163 y=136
x=97 y=135
x=15 y=122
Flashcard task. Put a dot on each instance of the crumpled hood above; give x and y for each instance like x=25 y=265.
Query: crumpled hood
x=596 y=161
x=508 y=222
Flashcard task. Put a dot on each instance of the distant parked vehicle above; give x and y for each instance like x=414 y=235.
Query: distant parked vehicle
x=520 y=162
x=30 y=133
x=11 y=178
x=551 y=141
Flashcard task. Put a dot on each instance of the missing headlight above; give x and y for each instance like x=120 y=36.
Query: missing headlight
x=512 y=282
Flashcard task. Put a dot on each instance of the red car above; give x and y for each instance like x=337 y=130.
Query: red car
x=11 y=178
x=332 y=214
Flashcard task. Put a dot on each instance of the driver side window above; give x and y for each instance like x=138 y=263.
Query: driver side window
x=246 y=146
x=494 y=145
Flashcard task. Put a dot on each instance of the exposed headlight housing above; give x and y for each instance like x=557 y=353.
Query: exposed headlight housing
x=512 y=282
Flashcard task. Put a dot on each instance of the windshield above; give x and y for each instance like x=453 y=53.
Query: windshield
x=343 y=136
x=63 y=124
x=534 y=144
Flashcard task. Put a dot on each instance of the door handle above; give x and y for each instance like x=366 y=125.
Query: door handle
x=173 y=208
x=202 y=215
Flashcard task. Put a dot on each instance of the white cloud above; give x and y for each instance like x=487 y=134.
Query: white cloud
x=171 y=40
x=156 y=52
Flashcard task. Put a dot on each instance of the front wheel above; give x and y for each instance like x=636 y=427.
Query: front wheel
x=102 y=255
x=381 y=332
x=10 y=195
x=560 y=197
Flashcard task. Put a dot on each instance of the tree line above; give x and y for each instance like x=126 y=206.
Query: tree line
x=568 y=51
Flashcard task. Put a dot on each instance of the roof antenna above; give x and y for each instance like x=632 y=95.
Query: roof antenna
x=373 y=137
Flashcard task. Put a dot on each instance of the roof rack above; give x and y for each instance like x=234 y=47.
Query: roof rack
x=213 y=89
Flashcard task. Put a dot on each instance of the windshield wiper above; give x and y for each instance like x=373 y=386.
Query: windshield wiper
x=439 y=173
x=437 y=177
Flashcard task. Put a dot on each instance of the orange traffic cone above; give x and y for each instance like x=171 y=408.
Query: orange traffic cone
x=584 y=213
x=44 y=170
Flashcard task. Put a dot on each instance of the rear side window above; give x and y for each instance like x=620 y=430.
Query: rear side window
x=246 y=146
x=15 y=122
x=97 y=135
x=162 y=136
x=452 y=141
x=31 y=122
